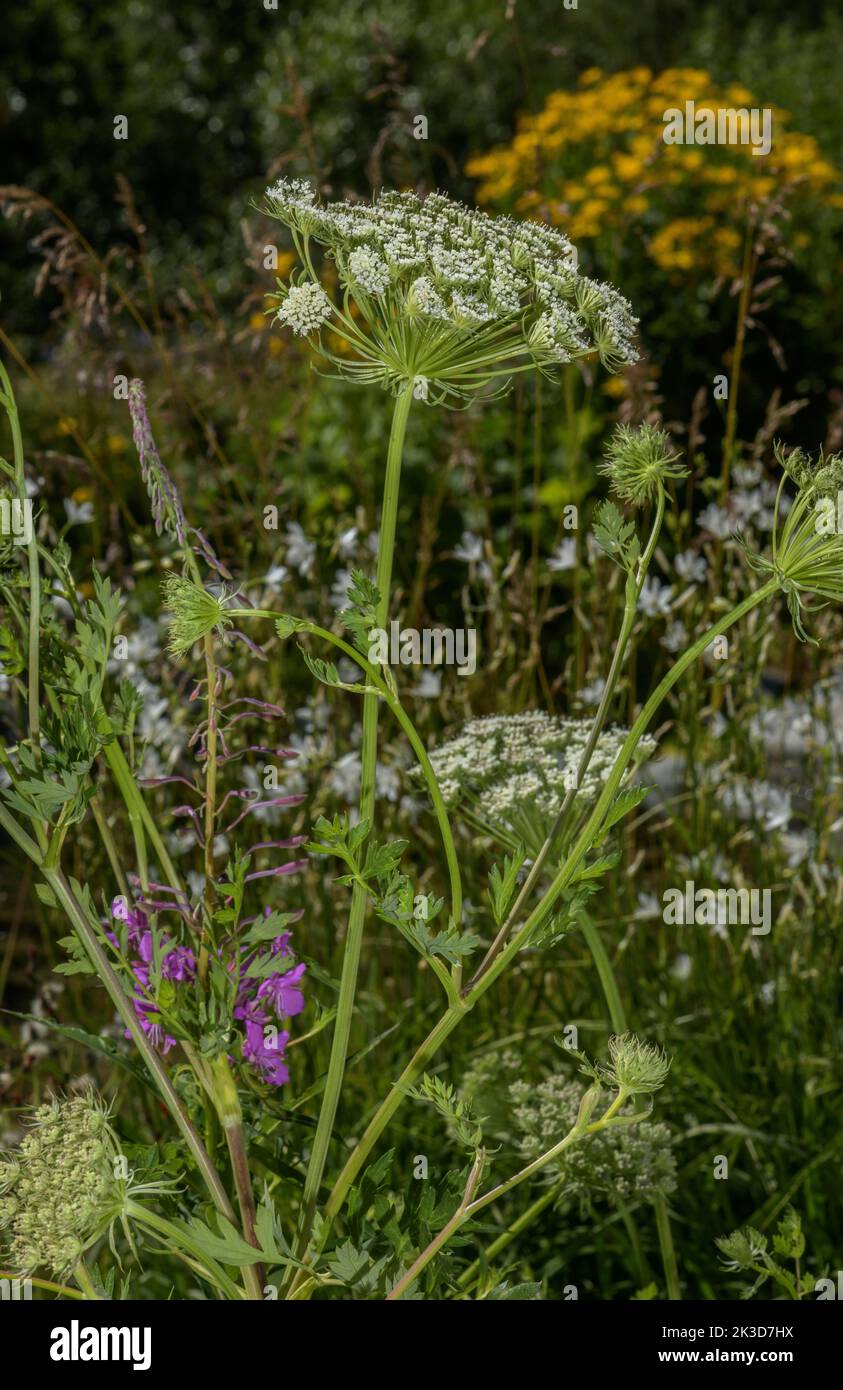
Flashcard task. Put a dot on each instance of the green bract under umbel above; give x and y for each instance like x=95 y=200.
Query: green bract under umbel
x=807 y=547
x=639 y=461
x=442 y=296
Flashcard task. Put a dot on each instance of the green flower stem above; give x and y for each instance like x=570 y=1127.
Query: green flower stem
x=606 y=975
x=33 y=702
x=470 y=1275
x=369 y=755
x=634 y=585
x=211 y=741
x=138 y=812
x=84 y=1280
x=449 y=1020
x=17 y=833
x=64 y=1289
x=671 y=1269
x=470 y=1208
x=449 y=1229
x=107 y=838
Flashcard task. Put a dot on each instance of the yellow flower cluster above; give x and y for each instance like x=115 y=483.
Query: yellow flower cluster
x=594 y=161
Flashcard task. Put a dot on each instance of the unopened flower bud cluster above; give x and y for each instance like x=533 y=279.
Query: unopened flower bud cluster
x=628 y=1161
x=56 y=1186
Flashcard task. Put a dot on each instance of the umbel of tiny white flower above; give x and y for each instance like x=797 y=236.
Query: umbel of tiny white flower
x=63 y=1187
x=639 y=461
x=510 y=773
x=441 y=295
x=807 y=548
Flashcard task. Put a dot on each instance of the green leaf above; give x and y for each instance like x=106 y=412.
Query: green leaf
x=644 y=1295
x=361 y=615
x=523 y=1292
x=347 y=1263
x=12 y=660
x=597 y=867
x=266 y=928
x=324 y=671
x=789 y=1240
x=327 y=673
x=614 y=535
x=625 y=802
x=502 y=885
x=45 y=894
x=563 y=921
x=287 y=624
x=382 y=860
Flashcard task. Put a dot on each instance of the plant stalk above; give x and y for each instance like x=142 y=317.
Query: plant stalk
x=369 y=754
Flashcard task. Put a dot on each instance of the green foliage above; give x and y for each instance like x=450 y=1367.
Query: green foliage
x=361 y=615
x=455 y=1109
x=746 y=1249
x=616 y=536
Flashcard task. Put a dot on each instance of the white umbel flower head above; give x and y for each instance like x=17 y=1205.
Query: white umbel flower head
x=305 y=308
x=448 y=293
x=369 y=270
x=511 y=773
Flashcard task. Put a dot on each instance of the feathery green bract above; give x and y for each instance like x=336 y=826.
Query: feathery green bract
x=195 y=613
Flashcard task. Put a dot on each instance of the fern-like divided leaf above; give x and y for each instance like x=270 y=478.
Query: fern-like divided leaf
x=361 y=615
x=502 y=884
x=615 y=536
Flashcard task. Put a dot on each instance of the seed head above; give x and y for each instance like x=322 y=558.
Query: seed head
x=635 y=1067
x=639 y=461
x=195 y=613
x=60 y=1188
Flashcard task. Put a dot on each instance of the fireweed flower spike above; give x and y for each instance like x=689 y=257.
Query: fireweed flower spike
x=441 y=304
x=443 y=296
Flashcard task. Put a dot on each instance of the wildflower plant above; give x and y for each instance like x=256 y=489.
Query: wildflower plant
x=208 y=971
x=594 y=160
x=510 y=774
x=747 y=1250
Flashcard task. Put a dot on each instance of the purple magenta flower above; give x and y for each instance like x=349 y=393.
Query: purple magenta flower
x=179 y=964
x=283 y=991
x=263 y=1045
